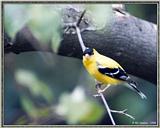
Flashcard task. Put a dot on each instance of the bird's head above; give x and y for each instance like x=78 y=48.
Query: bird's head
x=88 y=53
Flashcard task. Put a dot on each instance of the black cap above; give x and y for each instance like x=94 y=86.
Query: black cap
x=88 y=51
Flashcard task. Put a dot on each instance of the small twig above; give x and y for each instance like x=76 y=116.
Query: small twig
x=100 y=94
x=80 y=18
x=76 y=26
x=80 y=39
x=123 y=112
x=79 y=32
x=108 y=109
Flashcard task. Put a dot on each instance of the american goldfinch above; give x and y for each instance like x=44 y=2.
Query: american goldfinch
x=107 y=71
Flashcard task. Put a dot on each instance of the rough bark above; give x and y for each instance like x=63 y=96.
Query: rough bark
x=129 y=40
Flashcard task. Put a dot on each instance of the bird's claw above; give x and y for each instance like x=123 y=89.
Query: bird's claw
x=100 y=91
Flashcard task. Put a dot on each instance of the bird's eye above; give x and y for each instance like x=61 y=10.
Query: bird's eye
x=88 y=51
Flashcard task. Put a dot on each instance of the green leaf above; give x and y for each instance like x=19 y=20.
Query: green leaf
x=56 y=39
x=43 y=20
x=37 y=87
x=15 y=17
x=94 y=114
x=25 y=77
x=46 y=92
x=29 y=107
x=32 y=110
x=101 y=14
x=76 y=108
x=45 y=23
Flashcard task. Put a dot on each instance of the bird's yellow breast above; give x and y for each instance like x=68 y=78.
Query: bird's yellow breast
x=91 y=67
x=93 y=71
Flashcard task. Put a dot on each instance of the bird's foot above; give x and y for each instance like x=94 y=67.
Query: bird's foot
x=99 y=90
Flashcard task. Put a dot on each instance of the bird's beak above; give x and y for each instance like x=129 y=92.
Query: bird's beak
x=87 y=56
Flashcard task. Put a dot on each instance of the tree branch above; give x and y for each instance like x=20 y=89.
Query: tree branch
x=123 y=112
x=128 y=40
x=107 y=107
x=110 y=111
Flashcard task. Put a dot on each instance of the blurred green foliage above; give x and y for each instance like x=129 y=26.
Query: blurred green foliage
x=101 y=14
x=29 y=107
x=15 y=17
x=32 y=110
x=56 y=89
x=35 y=86
x=79 y=109
x=44 y=22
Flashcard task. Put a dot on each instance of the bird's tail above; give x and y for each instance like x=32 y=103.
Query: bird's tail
x=132 y=85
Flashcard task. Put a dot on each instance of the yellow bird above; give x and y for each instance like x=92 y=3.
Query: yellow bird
x=107 y=71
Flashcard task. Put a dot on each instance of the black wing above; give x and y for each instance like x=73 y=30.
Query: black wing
x=116 y=73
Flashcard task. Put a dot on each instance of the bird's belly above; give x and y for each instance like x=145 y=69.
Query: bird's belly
x=105 y=79
x=100 y=77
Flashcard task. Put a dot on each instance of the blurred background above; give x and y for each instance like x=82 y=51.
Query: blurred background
x=44 y=88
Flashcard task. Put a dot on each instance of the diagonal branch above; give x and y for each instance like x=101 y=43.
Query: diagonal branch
x=80 y=18
x=110 y=111
x=107 y=107
x=80 y=39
